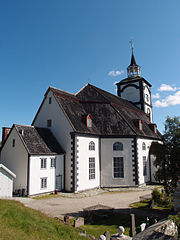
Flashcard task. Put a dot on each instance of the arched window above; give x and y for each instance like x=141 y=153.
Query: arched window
x=91 y=146
x=117 y=146
x=147 y=97
x=143 y=146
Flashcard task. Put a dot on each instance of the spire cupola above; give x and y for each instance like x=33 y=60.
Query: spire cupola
x=133 y=70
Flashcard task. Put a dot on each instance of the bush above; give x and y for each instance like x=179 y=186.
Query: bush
x=157 y=196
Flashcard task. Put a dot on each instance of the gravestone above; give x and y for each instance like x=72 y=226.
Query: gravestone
x=78 y=222
x=102 y=237
x=67 y=220
x=106 y=234
x=120 y=235
x=133 y=225
x=143 y=226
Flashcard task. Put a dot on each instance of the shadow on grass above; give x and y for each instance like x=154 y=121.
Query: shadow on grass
x=97 y=221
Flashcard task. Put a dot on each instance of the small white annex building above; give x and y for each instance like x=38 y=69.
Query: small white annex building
x=106 y=139
x=6 y=181
x=36 y=158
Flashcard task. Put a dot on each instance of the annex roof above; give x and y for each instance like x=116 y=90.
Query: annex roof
x=112 y=115
x=38 y=141
x=7 y=171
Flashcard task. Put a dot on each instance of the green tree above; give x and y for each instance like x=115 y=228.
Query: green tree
x=168 y=155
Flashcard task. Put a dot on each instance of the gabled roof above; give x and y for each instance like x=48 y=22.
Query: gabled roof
x=112 y=115
x=38 y=141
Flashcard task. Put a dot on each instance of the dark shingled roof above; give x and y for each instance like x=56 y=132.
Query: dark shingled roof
x=111 y=114
x=38 y=141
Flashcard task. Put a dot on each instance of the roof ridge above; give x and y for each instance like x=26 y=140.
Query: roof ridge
x=82 y=88
x=21 y=125
x=62 y=91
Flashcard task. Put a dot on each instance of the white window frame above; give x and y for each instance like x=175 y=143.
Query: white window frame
x=92 y=170
x=43 y=163
x=43 y=182
x=53 y=162
x=91 y=146
x=120 y=168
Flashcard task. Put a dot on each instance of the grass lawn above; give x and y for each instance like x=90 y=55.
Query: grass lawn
x=99 y=225
x=21 y=223
x=158 y=208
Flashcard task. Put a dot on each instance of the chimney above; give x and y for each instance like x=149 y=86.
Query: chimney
x=5 y=132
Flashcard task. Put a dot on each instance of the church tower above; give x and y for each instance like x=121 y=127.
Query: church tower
x=135 y=88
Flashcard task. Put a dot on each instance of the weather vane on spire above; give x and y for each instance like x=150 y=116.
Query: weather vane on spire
x=132 y=45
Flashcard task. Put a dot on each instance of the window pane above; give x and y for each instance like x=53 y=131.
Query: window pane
x=91 y=146
x=144 y=166
x=91 y=168
x=118 y=167
x=117 y=146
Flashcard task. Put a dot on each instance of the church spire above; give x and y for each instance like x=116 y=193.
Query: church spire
x=133 y=70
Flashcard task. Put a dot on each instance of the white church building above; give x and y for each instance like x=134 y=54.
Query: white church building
x=86 y=140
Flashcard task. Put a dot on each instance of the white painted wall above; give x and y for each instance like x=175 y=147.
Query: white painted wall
x=61 y=129
x=107 y=154
x=36 y=173
x=6 y=184
x=131 y=93
x=83 y=163
x=141 y=153
x=16 y=159
x=146 y=91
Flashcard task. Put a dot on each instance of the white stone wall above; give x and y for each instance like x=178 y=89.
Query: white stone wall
x=61 y=129
x=36 y=173
x=83 y=154
x=6 y=184
x=16 y=159
x=131 y=93
x=107 y=154
x=141 y=153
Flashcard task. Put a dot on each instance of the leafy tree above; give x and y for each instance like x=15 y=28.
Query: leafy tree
x=168 y=155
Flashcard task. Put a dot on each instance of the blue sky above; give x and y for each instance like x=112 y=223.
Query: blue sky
x=67 y=43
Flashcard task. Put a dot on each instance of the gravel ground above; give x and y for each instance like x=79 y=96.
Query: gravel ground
x=72 y=204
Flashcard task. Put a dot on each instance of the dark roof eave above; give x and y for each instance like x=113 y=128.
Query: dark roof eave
x=44 y=154
x=115 y=136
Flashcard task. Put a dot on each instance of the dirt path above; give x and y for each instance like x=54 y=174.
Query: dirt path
x=57 y=206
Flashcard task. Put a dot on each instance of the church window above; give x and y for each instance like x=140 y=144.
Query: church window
x=148 y=113
x=91 y=146
x=49 y=123
x=118 y=167
x=143 y=146
x=91 y=168
x=117 y=146
x=144 y=166
x=50 y=100
x=147 y=97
